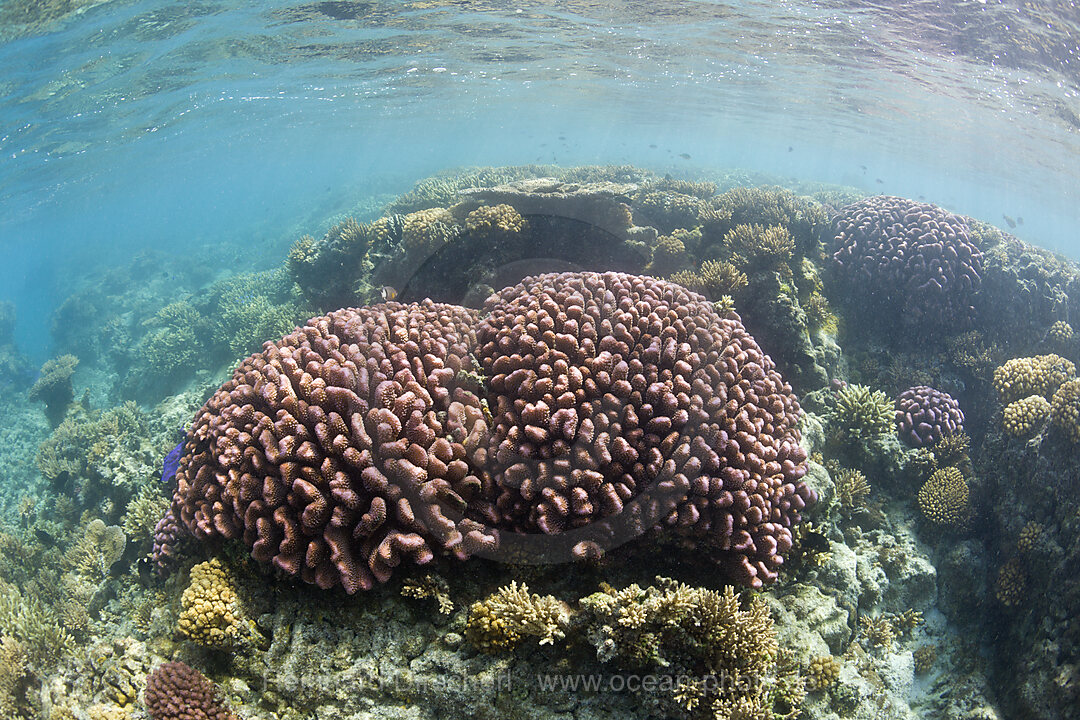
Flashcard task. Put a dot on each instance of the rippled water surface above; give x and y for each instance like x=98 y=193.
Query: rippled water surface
x=135 y=124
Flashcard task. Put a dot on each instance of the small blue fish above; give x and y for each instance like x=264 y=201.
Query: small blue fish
x=172 y=463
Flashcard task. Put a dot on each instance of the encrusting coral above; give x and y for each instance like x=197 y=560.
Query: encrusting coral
x=349 y=446
x=943 y=498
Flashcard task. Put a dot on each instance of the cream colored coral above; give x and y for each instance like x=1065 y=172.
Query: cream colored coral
x=511 y=613
x=943 y=499
x=1065 y=409
x=427 y=230
x=824 y=670
x=491 y=218
x=1039 y=375
x=210 y=612
x=1024 y=417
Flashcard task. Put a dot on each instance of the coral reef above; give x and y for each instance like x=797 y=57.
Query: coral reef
x=1026 y=416
x=505 y=618
x=1065 y=409
x=823 y=672
x=175 y=691
x=862 y=413
x=924 y=415
x=943 y=498
x=1039 y=375
x=211 y=615
x=353 y=448
x=53 y=387
x=911 y=259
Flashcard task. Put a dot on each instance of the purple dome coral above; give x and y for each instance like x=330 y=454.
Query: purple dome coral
x=924 y=415
x=601 y=407
x=914 y=258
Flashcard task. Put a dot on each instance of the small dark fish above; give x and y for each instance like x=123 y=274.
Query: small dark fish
x=1019 y=220
x=652 y=146
x=44 y=538
x=922 y=197
x=171 y=463
x=789 y=148
x=863 y=168
x=879 y=181
x=387 y=293
x=684 y=156
x=562 y=137
x=1011 y=223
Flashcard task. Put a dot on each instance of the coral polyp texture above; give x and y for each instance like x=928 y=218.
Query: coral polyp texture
x=176 y=691
x=943 y=498
x=1025 y=376
x=925 y=415
x=915 y=257
x=1025 y=416
x=607 y=405
x=1065 y=409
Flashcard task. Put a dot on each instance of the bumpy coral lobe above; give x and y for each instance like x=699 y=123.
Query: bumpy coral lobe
x=338 y=451
x=175 y=691
x=924 y=415
x=918 y=256
x=615 y=388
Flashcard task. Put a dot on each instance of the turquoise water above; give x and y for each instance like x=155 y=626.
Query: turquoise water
x=133 y=125
x=182 y=185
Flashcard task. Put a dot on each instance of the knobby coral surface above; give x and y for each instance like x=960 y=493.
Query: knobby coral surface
x=606 y=405
x=924 y=415
x=916 y=256
x=176 y=691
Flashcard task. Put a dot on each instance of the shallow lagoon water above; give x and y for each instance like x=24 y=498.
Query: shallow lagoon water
x=163 y=164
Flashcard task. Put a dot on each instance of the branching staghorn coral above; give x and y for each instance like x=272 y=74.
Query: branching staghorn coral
x=96 y=551
x=862 y=413
x=511 y=614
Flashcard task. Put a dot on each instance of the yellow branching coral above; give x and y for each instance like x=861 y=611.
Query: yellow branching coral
x=425 y=231
x=1029 y=537
x=878 y=631
x=824 y=670
x=943 y=498
x=1026 y=416
x=429 y=586
x=1065 y=409
x=1011 y=583
x=720 y=278
x=1039 y=375
x=211 y=614
x=143 y=512
x=13 y=661
x=501 y=218
x=511 y=614
x=668 y=255
x=924 y=657
x=758 y=246
x=852 y=489
x=863 y=413
x=698 y=633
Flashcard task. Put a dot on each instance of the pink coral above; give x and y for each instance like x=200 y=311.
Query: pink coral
x=617 y=403
x=175 y=691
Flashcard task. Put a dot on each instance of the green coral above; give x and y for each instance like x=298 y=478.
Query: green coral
x=36 y=626
x=173 y=343
x=253 y=308
x=757 y=247
x=94 y=554
x=862 y=413
x=142 y=514
x=802 y=217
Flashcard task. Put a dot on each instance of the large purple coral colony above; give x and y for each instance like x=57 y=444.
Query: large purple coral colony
x=369 y=436
x=911 y=257
x=924 y=415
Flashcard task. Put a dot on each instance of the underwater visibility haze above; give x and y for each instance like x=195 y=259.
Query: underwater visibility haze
x=450 y=358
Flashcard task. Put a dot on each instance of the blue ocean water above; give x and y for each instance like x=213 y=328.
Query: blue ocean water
x=136 y=125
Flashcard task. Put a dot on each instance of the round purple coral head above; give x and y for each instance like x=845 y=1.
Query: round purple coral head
x=924 y=415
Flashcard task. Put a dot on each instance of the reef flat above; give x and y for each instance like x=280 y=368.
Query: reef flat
x=542 y=442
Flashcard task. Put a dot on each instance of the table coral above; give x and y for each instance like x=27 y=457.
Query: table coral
x=1039 y=375
x=1024 y=417
x=943 y=498
x=913 y=258
x=352 y=445
x=175 y=691
x=1065 y=409
x=924 y=415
